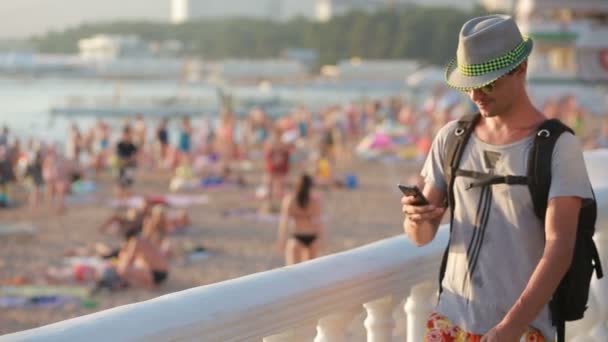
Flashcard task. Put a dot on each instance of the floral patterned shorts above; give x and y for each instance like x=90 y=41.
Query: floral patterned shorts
x=440 y=329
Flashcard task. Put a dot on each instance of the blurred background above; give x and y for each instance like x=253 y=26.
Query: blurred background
x=188 y=126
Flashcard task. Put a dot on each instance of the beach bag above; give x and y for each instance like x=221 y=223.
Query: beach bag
x=569 y=301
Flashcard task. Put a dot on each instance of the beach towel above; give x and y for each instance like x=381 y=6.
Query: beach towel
x=182 y=201
x=48 y=302
x=17 y=228
x=81 y=199
x=83 y=187
x=30 y=291
x=179 y=201
x=255 y=215
x=131 y=202
x=250 y=214
x=173 y=200
x=95 y=262
x=198 y=253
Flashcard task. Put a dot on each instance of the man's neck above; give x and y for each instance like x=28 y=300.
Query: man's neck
x=518 y=123
x=522 y=115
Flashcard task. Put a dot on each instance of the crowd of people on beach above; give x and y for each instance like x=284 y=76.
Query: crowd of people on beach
x=303 y=148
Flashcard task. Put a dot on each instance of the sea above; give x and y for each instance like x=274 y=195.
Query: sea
x=27 y=102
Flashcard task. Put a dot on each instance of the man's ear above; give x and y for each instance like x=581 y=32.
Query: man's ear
x=523 y=67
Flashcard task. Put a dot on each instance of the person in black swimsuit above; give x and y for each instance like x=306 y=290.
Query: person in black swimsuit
x=305 y=239
x=128 y=225
x=149 y=248
x=304 y=209
x=126 y=152
x=162 y=137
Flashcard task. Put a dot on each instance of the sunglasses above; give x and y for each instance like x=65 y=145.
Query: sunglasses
x=489 y=88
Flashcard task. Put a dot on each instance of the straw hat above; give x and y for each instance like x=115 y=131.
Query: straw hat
x=488 y=48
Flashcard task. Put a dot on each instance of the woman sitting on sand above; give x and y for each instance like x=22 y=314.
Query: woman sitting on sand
x=304 y=207
x=128 y=224
x=142 y=262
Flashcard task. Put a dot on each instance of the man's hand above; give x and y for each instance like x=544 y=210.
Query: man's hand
x=503 y=333
x=420 y=213
x=421 y=221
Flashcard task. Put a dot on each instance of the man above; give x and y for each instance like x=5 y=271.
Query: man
x=162 y=136
x=126 y=153
x=6 y=175
x=4 y=136
x=503 y=264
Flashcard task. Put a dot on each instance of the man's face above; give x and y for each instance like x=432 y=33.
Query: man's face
x=498 y=98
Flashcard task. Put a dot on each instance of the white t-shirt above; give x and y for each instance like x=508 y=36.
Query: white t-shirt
x=497 y=240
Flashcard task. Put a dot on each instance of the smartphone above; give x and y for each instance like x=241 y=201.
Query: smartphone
x=412 y=190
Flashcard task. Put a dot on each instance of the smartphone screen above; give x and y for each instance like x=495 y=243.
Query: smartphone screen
x=414 y=192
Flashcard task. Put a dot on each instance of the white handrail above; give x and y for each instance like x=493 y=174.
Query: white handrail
x=260 y=304
x=277 y=301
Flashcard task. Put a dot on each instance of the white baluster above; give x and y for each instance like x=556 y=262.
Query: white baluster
x=400 y=320
x=597 y=314
x=356 y=327
x=379 y=322
x=600 y=286
x=581 y=328
x=332 y=328
x=306 y=332
x=582 y=338
x=418 y=308
x=282 y=337
x=600 y=332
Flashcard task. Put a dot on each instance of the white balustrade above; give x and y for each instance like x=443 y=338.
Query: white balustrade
x=286 y=304
x=306 y=332
x=379 y=322
x=332 y=328
x=286 y=336
x=418 y=308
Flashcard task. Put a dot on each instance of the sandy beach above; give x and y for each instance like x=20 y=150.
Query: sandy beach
x=238 y=245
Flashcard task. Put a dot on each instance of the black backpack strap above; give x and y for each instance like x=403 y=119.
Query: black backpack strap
x=587 y=219
x=539 y=173
x=561 y=330
x=539 y=163
x=456 y=142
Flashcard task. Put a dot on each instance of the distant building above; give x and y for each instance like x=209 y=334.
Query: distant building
x=180 y=10
x=104 y=47
x=321 y=10
x=570 y=39
x=128 y=56
x=380 y=69
x=257 y=70
x=502 y=6
x=186 y=10
x=326 y=9
x=570 y=54
x=307 y=57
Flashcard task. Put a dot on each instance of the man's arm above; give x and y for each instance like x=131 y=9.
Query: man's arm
x=421 y=222
x=560 y=232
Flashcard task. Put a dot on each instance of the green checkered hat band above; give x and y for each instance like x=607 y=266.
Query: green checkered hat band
x=495 y=64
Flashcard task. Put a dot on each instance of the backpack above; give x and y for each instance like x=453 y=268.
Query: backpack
x=569 y=301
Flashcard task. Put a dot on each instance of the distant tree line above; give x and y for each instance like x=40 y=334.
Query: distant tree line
x=428 y=34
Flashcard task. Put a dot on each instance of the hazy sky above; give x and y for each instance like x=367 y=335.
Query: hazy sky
x=23 y=18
